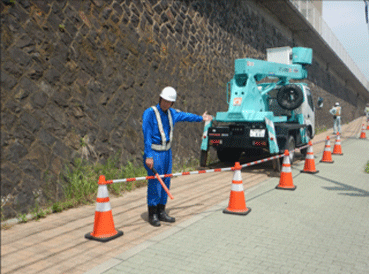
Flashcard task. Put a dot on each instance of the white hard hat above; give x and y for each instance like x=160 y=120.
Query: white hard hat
x=337 y=104
x=169 y=94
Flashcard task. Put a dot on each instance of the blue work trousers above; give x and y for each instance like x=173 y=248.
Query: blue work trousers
x=163 y=165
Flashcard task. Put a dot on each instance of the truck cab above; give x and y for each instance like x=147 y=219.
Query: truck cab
x=307 y=108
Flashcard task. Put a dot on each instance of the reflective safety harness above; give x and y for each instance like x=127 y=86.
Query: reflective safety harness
x=338 y=111
x=165 y=145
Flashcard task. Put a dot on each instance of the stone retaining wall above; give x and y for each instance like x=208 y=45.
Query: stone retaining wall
x=76 y=77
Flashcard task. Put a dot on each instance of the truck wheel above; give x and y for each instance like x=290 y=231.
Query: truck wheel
x=203 y=158
x=304 y=150
x=291 y=148
x=277 y=164
x=290 y=97
x=229 y=155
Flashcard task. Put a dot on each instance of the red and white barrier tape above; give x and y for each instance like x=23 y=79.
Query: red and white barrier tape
x=263 y=160
x=170 y=175
x=203 y=171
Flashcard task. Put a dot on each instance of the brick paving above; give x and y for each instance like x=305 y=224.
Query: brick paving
x=56 y=244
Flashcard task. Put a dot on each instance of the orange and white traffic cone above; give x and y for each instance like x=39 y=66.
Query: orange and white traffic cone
x=363 y=134
x=327 y=155
x=337 y=150
x=286 y=182
x=237 y=203
x=367 y=127
x=309 y=161
x=104 y=229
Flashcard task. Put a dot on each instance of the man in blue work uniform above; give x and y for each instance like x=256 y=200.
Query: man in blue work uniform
x=157 y=126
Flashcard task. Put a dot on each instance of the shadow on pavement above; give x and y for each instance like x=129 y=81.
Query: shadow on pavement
x=345 y=187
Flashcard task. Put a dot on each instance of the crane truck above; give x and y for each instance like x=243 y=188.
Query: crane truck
x=266 y=112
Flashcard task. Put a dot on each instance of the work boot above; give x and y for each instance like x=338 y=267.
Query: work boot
x=153 y=216
x=163 y=216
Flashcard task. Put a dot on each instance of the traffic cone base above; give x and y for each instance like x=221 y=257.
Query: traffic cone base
x=285 y=187
x=311 y=172
x=236 y=212
x=286 y=181
x=104 y=239
x=329 y=162
x=237 y=203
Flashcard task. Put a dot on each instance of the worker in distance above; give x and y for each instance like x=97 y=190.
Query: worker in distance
x=157 y=126
x=336 y=112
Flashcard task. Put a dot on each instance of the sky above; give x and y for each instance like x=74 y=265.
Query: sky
x=347 y=21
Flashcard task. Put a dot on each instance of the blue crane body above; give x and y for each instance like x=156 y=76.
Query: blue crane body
x=272 y=116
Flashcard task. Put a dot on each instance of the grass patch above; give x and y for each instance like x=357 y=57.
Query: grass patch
x=320 y=130
x=81 y=181
x=189 y=165
x=22 y=218
x=38 y=212
x=81 y=184
x=367 y=167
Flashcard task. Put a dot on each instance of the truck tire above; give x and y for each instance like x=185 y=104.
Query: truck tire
x=229 y=155
x=290 y=146
x=203 y=158
x=304 y=150
x=290 y=97
x=277 y=164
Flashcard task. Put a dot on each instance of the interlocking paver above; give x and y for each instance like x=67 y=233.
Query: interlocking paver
x=321 y=227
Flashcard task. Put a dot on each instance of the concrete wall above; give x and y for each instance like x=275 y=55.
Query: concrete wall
x=76 y=77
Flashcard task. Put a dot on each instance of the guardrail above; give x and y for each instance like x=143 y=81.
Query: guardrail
x=314 y=17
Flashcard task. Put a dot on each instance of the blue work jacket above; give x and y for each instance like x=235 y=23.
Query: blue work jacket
x=151 y=130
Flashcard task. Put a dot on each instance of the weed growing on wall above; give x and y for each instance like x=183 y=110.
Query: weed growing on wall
x=81 y=181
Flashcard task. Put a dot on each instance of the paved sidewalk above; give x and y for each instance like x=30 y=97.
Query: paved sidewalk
x=321 y=227
x=56 y=244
